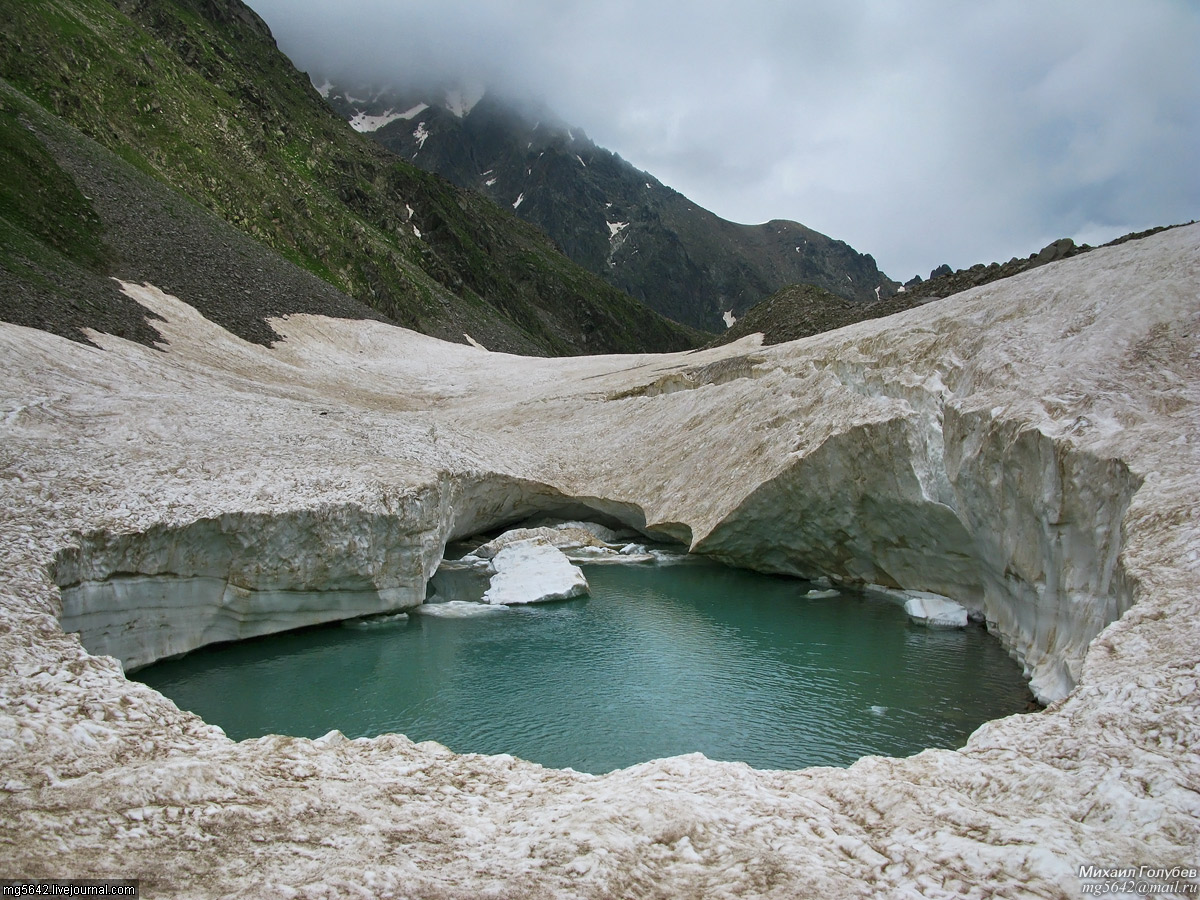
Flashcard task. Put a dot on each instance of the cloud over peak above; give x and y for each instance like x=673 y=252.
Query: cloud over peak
x=920 y=132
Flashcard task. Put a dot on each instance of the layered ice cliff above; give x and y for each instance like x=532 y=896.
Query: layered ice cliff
x=1027 y=449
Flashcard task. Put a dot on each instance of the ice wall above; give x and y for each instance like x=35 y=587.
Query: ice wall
x=145 y=596
x=1020 y=527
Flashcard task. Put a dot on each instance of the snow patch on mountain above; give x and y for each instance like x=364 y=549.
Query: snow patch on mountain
x=421 y=135
x=460 y=101
x=364 y=123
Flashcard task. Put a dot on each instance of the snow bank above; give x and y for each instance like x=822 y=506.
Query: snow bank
x=1027 y=448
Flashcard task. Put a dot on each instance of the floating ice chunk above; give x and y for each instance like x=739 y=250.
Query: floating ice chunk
x=592 y=554
x=534 y=572
x=605 y=555
x=878 y=710
x=672 y=557
x=566 y=536
x=821 y=595
x=935 y=611
x=895 y=595
x=600 y=532
x=458 y=609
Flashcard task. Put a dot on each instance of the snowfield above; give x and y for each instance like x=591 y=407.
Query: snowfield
x=1028 y=449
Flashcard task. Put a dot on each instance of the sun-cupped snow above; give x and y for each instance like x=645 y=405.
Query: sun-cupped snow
x=1027 y=448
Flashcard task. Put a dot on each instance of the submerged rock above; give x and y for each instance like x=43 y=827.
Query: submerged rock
x=532 y=571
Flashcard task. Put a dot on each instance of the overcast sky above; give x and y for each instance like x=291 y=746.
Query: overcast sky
x=919 y=131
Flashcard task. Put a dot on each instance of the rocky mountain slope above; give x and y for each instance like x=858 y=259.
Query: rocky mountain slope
x=613 y=219
x=195 y=95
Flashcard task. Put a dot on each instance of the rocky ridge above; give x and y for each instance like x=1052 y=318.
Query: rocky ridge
x=1025 y=448
x=802 y=310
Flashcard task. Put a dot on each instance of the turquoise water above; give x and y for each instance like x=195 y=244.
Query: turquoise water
x=658 y=661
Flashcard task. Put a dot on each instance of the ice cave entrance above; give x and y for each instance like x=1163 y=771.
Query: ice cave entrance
x=660 y=660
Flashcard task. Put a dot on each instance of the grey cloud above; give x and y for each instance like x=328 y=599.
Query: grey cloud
x=921 y=132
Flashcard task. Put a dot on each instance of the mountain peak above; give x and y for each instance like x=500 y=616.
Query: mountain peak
x=615 y=220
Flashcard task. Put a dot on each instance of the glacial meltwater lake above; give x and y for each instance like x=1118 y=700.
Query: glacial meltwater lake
x=659 y=661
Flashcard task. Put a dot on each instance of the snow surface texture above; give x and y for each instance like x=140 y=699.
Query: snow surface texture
x=532 y=571
x=1027 y=448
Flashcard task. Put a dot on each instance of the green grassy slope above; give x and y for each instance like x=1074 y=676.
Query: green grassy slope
x=194 y=93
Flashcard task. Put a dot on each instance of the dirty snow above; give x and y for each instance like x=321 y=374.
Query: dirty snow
x=1027 y=448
